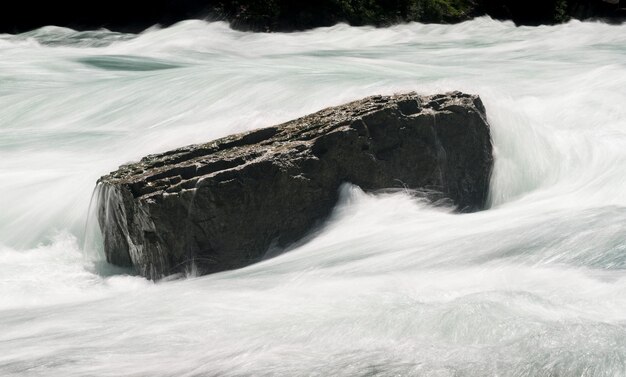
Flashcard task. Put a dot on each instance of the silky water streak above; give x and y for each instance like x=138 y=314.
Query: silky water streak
x=390 y=286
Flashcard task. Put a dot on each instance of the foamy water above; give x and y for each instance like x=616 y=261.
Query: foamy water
x=534 y=286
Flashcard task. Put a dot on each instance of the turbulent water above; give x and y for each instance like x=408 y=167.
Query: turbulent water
x=533 y=286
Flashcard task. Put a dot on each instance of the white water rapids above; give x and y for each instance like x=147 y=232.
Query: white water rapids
x=533 y=286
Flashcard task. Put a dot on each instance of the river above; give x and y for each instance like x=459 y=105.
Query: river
x=391 y=286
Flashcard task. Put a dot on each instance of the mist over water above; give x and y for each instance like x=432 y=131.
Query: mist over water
x=391 y=286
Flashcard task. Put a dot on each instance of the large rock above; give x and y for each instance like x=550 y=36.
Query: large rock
x=221 y=205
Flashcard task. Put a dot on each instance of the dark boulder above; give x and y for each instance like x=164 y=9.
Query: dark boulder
x=221 y=205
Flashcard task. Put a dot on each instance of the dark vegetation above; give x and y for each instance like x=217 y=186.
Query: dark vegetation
x=289 y=15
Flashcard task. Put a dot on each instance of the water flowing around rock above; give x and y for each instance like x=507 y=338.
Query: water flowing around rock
x=533 y=286
x=224 y=204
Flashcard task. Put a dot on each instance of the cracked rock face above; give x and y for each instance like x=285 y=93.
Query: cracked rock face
x=222 y=204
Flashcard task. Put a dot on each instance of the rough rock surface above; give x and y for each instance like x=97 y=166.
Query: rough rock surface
x=221 y=205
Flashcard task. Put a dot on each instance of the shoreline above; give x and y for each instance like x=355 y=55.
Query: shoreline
x=284 y=16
